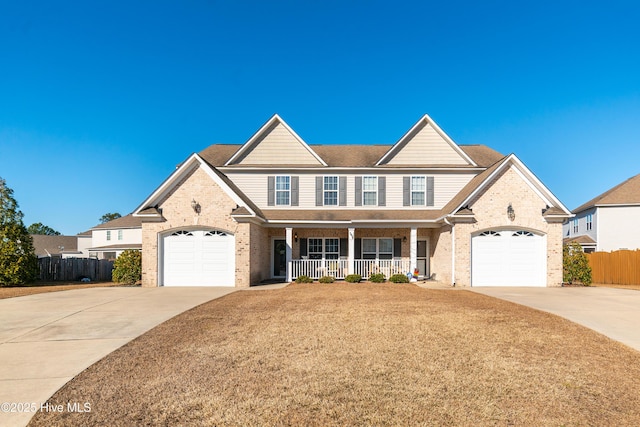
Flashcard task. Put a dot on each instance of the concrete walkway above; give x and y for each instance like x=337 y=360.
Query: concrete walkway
x=611 y=312
x=47 y=339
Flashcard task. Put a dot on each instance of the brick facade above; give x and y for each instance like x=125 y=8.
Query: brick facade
x=490 y=210
x=215 y=213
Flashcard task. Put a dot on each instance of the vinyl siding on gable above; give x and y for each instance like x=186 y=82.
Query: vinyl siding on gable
x=427 y=146
x=278 y=147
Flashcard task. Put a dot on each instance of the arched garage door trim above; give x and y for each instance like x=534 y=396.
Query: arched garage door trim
x=192 y=256
x=508 y=256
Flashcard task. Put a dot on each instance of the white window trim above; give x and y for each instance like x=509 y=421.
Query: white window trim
x=575 y=227
x=377 y=252
x=589 y=219
x=108 y=235
x=276 y=191
x=424 y=192
x=324 y=248
x=370 y=191
x=120 y=234
x=325 y=191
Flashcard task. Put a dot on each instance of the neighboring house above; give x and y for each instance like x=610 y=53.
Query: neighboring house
x=608 y=222
x=109 y=240
x=56 y=246
x=276 y=207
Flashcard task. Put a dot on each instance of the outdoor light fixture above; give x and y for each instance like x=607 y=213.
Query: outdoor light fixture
x=295 y=237
x=404 y=239
x=195 y=206
x=511 y=213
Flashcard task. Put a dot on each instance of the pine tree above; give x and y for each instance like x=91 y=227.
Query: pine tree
x=18 y=262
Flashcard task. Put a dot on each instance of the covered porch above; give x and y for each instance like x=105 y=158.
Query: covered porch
x=339 y=252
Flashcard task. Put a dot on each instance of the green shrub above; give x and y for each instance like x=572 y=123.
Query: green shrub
x=18 y=262
x=304 y=279
x=575 y=265
x=353 y=278
x=127 y=268
x=377 y=278
x=326 y=279
x=399 y=278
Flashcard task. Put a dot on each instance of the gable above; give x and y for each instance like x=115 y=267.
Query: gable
x=426 y=144
x=509 y=179
x=148 y=208
x=275 y=144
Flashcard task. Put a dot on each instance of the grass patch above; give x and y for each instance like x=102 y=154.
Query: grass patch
x=359 y=354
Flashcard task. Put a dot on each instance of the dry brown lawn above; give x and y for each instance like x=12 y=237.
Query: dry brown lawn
x=365 y=354
x=40 y=287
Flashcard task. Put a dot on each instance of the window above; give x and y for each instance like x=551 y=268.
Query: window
x=330 y=191
x=522 y=233
x=323 y=248
x=418 y=190
x=575 y=225
x=215 y=233
x=119 y=234
x=490 y=233
x=283 y=190
x=109 y=255
x=381 y=248
x=370 y=191
x=589 y=221
x=108 y=234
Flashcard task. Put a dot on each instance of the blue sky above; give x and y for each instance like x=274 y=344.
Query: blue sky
x=100 y=100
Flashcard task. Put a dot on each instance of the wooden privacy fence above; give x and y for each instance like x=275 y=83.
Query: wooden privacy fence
x=619 y=267
x=73 y=269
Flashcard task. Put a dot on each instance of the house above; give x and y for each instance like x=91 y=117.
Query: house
x=109 y=240
x=608 y=222
x=56 y=246
x=277 y=207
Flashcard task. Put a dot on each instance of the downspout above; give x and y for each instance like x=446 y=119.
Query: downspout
x=453 y=251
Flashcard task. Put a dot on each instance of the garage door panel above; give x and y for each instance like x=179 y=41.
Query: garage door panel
x=199 y=258
x=508 y=258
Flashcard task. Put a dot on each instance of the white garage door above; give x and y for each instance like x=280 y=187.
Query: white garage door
x=508 y=258
x=199 y=258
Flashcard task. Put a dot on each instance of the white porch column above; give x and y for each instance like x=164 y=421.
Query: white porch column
x=351 y=254
x=288 y=251
x=413 y=249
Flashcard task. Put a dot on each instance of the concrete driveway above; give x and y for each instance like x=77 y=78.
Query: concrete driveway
x=611 y=312
x=47 y=339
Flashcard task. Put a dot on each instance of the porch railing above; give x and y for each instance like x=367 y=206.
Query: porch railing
x=339 y=268
x=388 y=267
x=316 y=268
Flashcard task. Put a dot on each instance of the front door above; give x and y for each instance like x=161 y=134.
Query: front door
x=279 y=258
x=423 y=259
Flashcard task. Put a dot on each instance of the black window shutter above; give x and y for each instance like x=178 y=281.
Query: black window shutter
x=342 y=191
x=271 y=190
x=294 y=190
x=303 y=247
x=344 y=247
x=358 y=248
x=382 y=191
x=406 y=191
x=358 y=192
x=429 y=191
x=397 y=247
x=319 y=190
